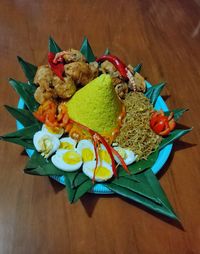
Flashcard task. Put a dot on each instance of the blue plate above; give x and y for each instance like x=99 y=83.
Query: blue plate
x=100 y=188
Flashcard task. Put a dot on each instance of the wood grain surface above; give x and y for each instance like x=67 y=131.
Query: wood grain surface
x=35 y=216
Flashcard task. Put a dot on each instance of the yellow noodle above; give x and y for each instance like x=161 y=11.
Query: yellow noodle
x=136 y=133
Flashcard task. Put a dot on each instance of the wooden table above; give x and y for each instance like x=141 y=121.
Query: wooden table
x=35 y=216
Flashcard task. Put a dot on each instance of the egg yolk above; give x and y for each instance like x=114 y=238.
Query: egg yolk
x=66 y=145
x=45 y=145
x=104 y=156
x=87 y=154
x=71 y=157
x=102 y=172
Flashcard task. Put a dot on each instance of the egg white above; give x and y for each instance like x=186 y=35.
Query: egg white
x=45 y=144
x=59 y=162
x=69 y=143
x=88 y=169
x=104 y=155
x=48 y=130
x=129 y=157
x=86 y=144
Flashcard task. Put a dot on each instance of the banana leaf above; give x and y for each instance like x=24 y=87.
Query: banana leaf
x=174 y=135
x=139 y=166
x=28 y=69
x=146 y=192
x=153 y=92
x=26 y=92
x=79 y=191
x=38 y=165
x=24 y=116
x=138 y=68
x=23 y=137
x=53 y=46
x=177 y=113
x=107 y=52
x=86 y=50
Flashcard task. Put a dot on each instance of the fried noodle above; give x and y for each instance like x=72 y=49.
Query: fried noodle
x=136 y=133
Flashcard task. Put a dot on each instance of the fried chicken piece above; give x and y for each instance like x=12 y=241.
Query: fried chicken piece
x=82 y=73
x=43 y=76
x=41 y=94
x=121 y=90
x=94 y=68
x=70 y=55
x=108 y=67
x=139 y=82
x=64 y=89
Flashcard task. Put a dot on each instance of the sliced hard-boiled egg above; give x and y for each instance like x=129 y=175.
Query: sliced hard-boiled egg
x=127 y=155
x=57 y=132
x=67 y=143
x=103 y=171
x=45 y=143
x=86 y=149
x=104 y=155
x=67 y=160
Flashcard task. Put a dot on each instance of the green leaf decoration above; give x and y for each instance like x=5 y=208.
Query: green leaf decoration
x=80 y=179
x=53 y=46
x=153 y=92
x=23 y=137
x=28 y=69
x=176 y=134
x=24 y=116
x=71 y=177
x=138 y=68
x=139 y=166
x=26 y=92
x=177 y=113
x=78 y=192
x=140 y=187
x=147 y=192
x=76 y=178
x=38 y=165
x=107 y=52
x=86 y=50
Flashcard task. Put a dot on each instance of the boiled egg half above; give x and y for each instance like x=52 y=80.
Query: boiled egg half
x=103 y=171
x=67 y=143
x=67 y=160
x=45 y=144
x=86 y=149
x=127 y=155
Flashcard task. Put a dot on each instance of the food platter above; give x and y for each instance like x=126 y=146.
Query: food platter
x=100 y=188
x=119 y=143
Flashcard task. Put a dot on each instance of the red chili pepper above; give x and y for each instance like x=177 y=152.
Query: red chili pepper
x=119 y=65
x=161 y=124
x=58 y=67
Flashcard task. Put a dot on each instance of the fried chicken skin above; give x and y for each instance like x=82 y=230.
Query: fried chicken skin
x=70 y=55
x=43 y=76
x=64 y=89
x=41 y=94
x=82 y=73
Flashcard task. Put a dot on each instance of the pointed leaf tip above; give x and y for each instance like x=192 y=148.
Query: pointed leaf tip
x=153 y=92
x=28 y=69
x=53 y=46
x=86 y=50
x=138 y=68
x=107 y=52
